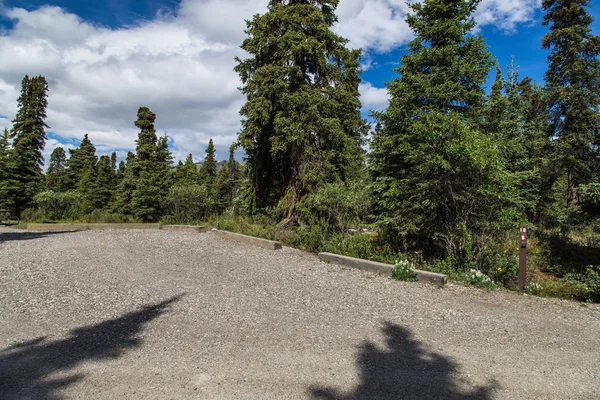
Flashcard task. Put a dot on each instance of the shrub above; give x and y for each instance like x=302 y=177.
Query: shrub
x=57 y=206
x=404 y=270
x=188 y=203
x=477 y=278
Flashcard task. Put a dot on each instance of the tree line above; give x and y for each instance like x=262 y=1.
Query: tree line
x=451 y=171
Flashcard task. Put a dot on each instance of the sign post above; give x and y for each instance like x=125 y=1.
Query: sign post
x=523 y=258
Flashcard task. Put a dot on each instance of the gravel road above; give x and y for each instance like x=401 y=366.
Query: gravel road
x=165 y=315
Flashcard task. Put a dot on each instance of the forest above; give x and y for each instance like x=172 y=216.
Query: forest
x=441 y=180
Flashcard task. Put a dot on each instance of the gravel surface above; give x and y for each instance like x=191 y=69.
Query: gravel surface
x=166 y=315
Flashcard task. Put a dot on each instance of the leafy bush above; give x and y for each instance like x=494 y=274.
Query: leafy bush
x=404 y=270
x=56 y=206
x=337 y=205
x=477 y=278
x=188 y=203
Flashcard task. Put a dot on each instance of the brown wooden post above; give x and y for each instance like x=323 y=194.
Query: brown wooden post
x=523 y=257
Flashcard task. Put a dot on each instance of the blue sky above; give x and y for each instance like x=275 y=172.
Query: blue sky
x=104 y=59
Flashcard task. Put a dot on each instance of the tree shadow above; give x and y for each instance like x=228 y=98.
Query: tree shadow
x=25 y=235
x=404 y=371
x=25 y=368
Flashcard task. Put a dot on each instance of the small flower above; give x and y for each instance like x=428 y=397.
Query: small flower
x=499 y=269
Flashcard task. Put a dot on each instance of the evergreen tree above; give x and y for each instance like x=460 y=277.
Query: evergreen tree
x=56 y=175
x=4 y=172
x=87 y=187
x=152 y=164
x=302 y=124
x=104 y=183
x=186 y=173
x=573 y=91
x=29 y=138
x=128 y=173
x=438 y=176
x=208 y=171
x=228 y=183
x=82 y=161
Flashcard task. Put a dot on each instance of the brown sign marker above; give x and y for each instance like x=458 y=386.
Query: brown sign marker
x=523 y=257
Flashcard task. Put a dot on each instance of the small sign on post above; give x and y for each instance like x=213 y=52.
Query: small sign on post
x=523 y=257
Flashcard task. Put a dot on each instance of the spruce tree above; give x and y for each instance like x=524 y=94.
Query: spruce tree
x=81 y=161
x=228 y=183
x=186 y=173
x=29 y=139
x=151 y=171
x=4 y=172
x=437 y=174
x=301 y=122
x=128 y=173
x=573 y=90
x=105 y=181
x=56 y=175
x=208 y=171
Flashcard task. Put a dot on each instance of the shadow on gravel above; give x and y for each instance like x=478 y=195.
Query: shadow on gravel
x=24 y=235
x=25 y=368
x=404 y=371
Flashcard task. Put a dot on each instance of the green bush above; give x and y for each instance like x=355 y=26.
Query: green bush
x=404 y=270
x=477 y=278
x=56 y=206
x=336 y=205
x=187 y=203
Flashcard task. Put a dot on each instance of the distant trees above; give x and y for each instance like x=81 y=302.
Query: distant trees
x=573 y=90
x=302 y=125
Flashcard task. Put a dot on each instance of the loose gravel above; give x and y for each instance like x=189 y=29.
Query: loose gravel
x=167 y=315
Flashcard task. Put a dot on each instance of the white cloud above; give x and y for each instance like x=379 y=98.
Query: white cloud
x=506 y=14
x=373 y=98
x=180 y=65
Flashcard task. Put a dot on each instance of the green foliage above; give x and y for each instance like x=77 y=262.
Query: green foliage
x=56 y=175
x=478 y=279
x=302 y=123
x=573 y=91
x=589 y=198
x=186 y=173
x=189 y=202
x=339 y=205
x=24 y=166
x=150 y=173
x=404 y=270
x=439 y=178
x=228 y=185
x=57 y=205
x=81 y=162
x=208 y=170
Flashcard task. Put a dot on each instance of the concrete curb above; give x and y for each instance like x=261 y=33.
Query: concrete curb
x=87 y=227
x=381 y=268
x=184 y=228
x=267 y=244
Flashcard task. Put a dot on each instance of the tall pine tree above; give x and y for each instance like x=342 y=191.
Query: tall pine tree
x=208 y=170
x=572 y=83
x=29 y=138
x=151 y=171
x=437 y=174
x=301 y=123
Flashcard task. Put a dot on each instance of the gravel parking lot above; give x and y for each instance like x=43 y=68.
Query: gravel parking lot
x=165 y=315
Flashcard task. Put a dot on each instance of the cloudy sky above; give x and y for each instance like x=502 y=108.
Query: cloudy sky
x=104 y=59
